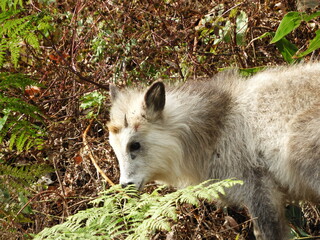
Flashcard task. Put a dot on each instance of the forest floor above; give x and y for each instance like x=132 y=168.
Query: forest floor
x=135 y=43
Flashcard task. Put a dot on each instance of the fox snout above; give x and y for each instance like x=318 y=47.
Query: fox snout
x=138 y=185
x=124 y=185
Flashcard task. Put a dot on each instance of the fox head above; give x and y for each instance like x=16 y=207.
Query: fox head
x=138 y=137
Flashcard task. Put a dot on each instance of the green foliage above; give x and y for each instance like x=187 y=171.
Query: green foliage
x=20 y=178
x=223 y=26
x=296 y=218
x=124 y=213
x=20 y=130
x=15 y=183
x=250 y=71
x=9 y=4
x=313 y=45
x=287 y=49
x=17 y=130
x=289 y=23
x=127 y=42
x=93 y=102
x=17 y=30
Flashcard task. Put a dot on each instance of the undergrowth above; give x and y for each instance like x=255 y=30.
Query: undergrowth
x=21 y=123
x=22 y=31
x=68 y=45
x=123 y=214
x=21 y=129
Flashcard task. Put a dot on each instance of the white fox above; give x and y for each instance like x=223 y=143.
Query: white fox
x=264 y=130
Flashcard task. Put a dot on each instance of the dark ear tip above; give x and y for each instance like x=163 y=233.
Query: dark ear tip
x=113 y=90
x=158 y=84
x=155 y=96
x=112 y=87
x=157 y=87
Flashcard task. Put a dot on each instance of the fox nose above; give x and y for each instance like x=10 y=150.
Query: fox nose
x=124 y=185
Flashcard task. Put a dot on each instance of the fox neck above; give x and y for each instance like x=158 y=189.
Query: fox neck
x=196 y=121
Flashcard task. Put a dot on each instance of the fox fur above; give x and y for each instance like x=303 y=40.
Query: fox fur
x=264 y=130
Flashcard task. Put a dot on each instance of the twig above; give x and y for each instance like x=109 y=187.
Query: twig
x=39 y=194
x=59 y=99
x=178 y=66
x=58 y=175
x=82 y=201
x=238 y=225
x=86 y=147
x=79 y=75
x=308 y=238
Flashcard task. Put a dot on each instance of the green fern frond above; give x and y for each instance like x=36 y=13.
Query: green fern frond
x=3 y=47
x=188 y=197
x=21 y=140
x=17 y=124
x=14 y=49
x=158 y=223
x=169 y=211
x=19 y=106
x=3 y=5
x=27 y=173
x=45 y=24
x=14 y=27
x=19 y=178
x=21 y=30
x=33 y=40
x=12 y=140
x=19 y=81
x=25 y=135
x=125 y=217
x=5 y=15
x=6 y=4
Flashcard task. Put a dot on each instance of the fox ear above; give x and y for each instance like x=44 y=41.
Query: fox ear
x=113 y=91
x=155 y=98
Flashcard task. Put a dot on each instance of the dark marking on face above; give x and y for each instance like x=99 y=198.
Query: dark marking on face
x=125 y=121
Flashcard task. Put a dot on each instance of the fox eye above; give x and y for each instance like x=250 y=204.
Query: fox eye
x=134 y=146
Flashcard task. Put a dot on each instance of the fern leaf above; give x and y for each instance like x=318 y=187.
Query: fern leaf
x=187 y=197
x=18 y=29
x=12 y=141
x=45 y=24
x=31 y=143
x=21 y=140
x=5 y=15
x=16 y=2
x=3 y=4
x=18 y=81
x=170 y=212
x=14 y=49
x=32 y=39
x=20 y=26
x=3 y=46
x=4 y=119
x=21 y=3
x=138 y=218
x=12 y=26
x=152 y=224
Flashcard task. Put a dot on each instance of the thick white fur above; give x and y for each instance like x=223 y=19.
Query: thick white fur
x=263 y=130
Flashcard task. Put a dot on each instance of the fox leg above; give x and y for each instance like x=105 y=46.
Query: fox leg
x=266 y=207
x=303 y=154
